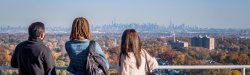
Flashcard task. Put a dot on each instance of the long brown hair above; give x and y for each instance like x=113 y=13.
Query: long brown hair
x=80 y=29
x=131 y=43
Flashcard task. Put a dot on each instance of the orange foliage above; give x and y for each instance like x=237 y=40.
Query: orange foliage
x=236 y=72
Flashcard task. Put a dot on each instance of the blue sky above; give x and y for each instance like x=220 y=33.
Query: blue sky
x=202 y=13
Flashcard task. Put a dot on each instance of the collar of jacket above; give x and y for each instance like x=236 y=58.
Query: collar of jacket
x=35 y=39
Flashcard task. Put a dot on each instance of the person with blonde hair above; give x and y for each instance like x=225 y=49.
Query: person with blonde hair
x=78 y=47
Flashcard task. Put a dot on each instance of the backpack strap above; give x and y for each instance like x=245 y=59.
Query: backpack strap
x=147 y=65
x=91 y=46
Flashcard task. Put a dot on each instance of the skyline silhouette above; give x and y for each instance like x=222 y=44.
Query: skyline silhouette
x=211 y=14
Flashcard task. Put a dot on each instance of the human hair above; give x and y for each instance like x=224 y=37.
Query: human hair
x=80 y=29
x=36 y=29
x=130 y=42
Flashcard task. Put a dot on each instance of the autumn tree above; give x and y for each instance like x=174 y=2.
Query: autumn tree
x=243 y=59
x=179 y=59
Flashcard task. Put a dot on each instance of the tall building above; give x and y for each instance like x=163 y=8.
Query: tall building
x=206 y=42
x=179 y=44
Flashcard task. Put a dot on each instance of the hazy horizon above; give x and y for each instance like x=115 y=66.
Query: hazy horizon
x=210 y=13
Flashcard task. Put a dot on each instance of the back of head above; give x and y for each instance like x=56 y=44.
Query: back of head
x=36 y=29
x=80 y=29
x=131 y=43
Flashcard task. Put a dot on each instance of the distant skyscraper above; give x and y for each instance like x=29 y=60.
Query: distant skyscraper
x=206 y=42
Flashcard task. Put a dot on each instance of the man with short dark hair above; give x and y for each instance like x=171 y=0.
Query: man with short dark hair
x=32 y=57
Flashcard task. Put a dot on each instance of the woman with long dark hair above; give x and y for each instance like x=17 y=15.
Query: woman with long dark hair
x=132 y=58
x=76 y=48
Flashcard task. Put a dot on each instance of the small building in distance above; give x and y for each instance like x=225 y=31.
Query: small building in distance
x=205 y=42
x=179 y=44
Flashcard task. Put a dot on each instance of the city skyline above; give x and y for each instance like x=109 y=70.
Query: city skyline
x=211 y=14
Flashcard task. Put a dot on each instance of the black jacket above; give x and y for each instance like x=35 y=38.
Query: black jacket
x=32 y=57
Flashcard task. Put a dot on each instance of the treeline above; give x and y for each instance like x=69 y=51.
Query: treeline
x=229 y=50
x=160 y=48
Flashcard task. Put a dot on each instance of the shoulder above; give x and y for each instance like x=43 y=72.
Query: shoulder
x=124 y=58
x=20 y=44
x=96 y=43
x=42 y=47
x=97 y=46
x=68 y=42
x=45 y=48
x=145 y=53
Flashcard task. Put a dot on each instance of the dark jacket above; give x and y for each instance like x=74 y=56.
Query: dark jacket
x=32 y=57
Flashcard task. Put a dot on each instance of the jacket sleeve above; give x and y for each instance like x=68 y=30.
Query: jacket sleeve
x=124 y=68
x=49 y=63
x=14 y=62
x=100 y=52
x=151 y=61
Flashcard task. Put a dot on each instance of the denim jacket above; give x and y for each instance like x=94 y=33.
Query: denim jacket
x=76 y=50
